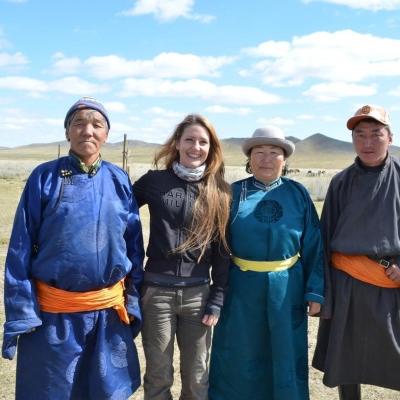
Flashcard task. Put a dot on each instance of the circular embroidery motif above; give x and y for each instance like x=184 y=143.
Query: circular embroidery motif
x=366 y=110
x=268 y=211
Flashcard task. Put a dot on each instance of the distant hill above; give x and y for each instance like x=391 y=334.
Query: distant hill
x=64 y=143
x=316 y=151
x=132 y=143
x=239 y=141
x=138 y=151
x=320 y=142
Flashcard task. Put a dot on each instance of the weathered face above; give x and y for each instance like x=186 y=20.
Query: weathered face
x=87 y=132
x=193 y=146
x=371 y=141
x=267 y=162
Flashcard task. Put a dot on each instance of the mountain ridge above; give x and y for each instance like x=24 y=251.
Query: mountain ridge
x=315 y=151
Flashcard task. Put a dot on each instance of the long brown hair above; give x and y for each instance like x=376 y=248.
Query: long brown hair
x=211 y=208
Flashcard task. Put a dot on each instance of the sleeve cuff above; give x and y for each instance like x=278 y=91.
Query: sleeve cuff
x=12 y=329
x=317 y=298
x=133 y=308
x=212 y=309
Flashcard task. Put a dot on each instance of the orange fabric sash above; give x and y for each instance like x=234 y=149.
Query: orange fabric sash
x=55 y=300
x=364 y=269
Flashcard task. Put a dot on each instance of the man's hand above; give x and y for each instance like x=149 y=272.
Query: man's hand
x=393 y=272
x=209 y=320
x=313 y=308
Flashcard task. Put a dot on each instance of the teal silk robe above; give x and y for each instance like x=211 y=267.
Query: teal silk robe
x=260 y=343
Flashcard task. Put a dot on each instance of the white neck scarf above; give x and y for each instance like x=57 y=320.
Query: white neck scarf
x=188 y=174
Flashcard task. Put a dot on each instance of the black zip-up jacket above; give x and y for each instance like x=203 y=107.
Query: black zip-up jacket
x=170 y=201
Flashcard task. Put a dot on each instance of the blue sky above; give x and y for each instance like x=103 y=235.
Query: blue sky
x=303 y=65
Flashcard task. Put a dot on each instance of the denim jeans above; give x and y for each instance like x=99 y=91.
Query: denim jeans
x=170 y=312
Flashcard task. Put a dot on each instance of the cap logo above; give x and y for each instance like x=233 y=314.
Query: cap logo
x=366 y=110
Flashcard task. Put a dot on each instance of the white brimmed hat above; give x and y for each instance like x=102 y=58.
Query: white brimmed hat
x=269 y=135
x=369 y=111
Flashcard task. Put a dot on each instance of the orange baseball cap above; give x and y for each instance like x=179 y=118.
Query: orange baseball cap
x=369 y=111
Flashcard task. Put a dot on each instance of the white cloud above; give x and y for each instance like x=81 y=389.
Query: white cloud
x=196 y=88
x=279 y=121
x=17 y=119
x=76 y=85
x=69 y=85
x=153 y=130
x=23 y=83
x=270 y=48
x=162 y=112
x=64 y=65
x=344 y=56
x=4 y=43
x=115 y=106
x=306 y=117
x=205 y=19
x=154 y=126
x=372 y=5
x=395 y=91
x=53 y=122
x=163 y=120
x=12 y=60
x=311 y=117
x=328 y=118
x=217 y=109
x=164 y=124
x=167 y=10
x=334 y=91
x=118 y=127
x=164 y=65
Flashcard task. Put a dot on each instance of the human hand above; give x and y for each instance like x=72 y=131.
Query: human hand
x=313 y=308
x=210 y=320
x=393 y=273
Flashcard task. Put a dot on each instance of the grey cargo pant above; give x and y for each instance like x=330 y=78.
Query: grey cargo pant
x=168 y=312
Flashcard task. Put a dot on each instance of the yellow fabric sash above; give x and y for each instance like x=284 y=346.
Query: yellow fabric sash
x=363 y=268
x=265 y=266
x=55 y=300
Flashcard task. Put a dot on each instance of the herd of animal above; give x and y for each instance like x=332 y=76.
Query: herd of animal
x=310 y=172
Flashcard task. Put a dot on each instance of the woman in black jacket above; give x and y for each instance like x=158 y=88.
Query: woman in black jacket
x=189 y=209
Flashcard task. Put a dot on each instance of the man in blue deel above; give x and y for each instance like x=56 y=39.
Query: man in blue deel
x=72 y=272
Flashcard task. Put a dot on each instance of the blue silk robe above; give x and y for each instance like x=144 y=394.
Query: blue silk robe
x=260 y=343
x=77 y=232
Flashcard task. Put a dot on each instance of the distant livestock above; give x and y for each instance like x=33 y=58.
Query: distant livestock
x=319 y=172
x=293 y=171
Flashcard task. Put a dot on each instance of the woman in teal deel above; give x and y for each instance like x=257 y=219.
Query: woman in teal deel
x=260 y=344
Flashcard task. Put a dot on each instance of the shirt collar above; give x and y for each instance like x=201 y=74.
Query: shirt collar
x=87 y=169
x=377 y=168
x=267 y=187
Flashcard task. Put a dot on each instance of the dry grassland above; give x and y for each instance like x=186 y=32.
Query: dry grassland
x=12 y=176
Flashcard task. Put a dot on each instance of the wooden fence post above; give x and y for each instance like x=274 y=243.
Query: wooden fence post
x=125 y=155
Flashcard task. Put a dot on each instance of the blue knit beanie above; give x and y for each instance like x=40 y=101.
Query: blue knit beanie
x=86 y=103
